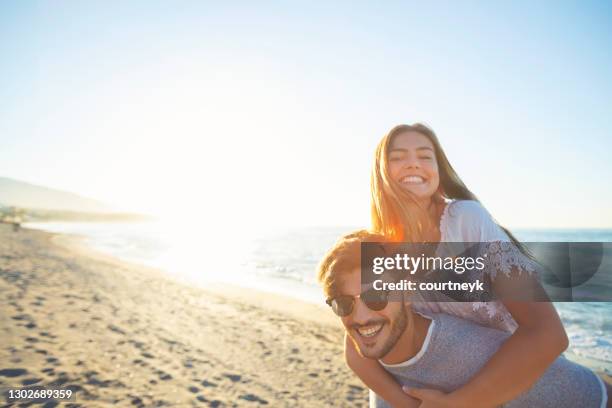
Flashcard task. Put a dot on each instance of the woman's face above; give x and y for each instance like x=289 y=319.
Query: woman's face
x=412 y=164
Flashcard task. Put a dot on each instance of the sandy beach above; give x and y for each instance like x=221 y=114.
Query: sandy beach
x=120 y=334
x=126 y=335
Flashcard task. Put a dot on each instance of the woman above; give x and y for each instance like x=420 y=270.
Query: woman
x=418 y=197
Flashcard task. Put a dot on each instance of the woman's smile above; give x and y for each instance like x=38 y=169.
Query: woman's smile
x=412 y=164
x=410 y=180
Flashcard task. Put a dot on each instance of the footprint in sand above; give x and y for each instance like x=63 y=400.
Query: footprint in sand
x=13 y=372
x=30 y=381
x=355 y=388
x=48 y=371
x=60 y=380
x=233 y=377
x=39 y=301
x=50 y=404
x=116 y=329
x=207 y=383
x=253 y=398
x=140 y=362
x=215 y=403
x=53 y=360
x=164 y=376
x=137 y=344
x=137 y=401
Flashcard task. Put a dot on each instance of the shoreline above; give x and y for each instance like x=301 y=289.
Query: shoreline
x=297 y=308
x=124 y=334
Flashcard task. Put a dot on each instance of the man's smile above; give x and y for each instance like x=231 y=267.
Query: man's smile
x=370 y=330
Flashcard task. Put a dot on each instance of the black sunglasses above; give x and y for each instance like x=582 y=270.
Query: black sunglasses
x=374 y=300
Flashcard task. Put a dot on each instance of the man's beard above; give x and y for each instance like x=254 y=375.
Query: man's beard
x=397 y=329
x=398 y=326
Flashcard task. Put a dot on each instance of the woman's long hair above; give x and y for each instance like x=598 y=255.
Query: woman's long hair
x=396 y=213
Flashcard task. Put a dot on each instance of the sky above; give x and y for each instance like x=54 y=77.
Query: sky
x=268 y=113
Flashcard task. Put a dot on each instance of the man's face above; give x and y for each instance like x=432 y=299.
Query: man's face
x=374 y=333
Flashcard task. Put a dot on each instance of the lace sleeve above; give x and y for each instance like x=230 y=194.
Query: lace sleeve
x=505 y=257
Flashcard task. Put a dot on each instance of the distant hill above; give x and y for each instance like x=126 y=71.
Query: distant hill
x=29 y=202
x=21 y=194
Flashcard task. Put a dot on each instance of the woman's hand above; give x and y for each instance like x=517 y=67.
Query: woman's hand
x=431 y=398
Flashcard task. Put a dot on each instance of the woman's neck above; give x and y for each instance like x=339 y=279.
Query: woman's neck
x=433 y=211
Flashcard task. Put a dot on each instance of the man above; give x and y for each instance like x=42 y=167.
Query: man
x=437 y=352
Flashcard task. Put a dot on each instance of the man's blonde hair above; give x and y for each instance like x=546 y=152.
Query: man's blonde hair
x=344 y=257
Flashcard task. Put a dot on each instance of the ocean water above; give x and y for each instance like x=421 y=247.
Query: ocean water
x=284 y=261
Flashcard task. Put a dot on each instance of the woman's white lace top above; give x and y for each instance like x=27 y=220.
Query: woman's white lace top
x=469 y=221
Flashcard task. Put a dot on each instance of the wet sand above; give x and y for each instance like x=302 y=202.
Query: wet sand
x=126 y=335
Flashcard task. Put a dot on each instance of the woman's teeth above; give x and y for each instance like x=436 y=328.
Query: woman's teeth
x=413 y=180
x=369 y=331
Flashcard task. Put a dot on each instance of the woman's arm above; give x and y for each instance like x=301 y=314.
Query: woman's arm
x=376 y=378
x=519 y=362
